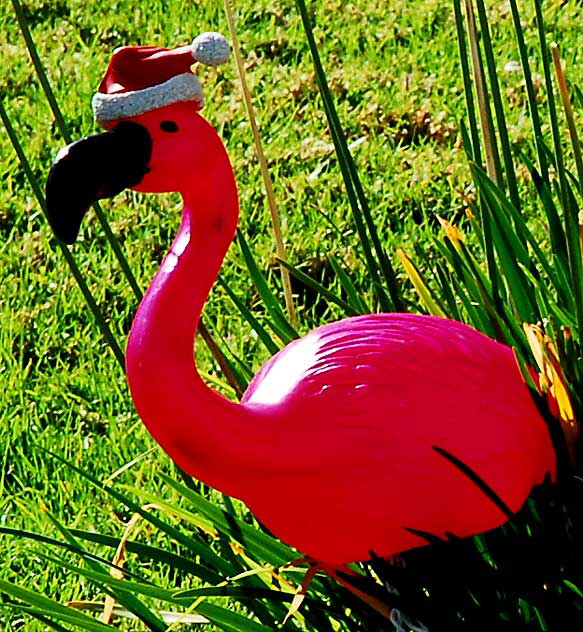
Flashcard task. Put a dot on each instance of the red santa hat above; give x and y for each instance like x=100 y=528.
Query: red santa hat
x=144 y=78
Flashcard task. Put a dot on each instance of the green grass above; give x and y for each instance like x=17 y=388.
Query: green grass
x=394 y=74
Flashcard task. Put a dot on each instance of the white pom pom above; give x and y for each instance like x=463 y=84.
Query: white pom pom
x=211 y=49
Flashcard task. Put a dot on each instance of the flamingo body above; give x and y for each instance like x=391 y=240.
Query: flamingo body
x=363 y=402
x=332 y=446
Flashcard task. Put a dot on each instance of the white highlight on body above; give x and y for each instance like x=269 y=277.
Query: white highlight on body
x=178 y=247
x=287 y=372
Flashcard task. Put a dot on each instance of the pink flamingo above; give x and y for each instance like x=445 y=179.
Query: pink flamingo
x=346 y=441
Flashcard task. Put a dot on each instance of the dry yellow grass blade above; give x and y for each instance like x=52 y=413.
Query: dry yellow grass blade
x=118 y=560
x=121 y=613
x=273 y=209
x=488 y=133
x=453 y=233
x=552 y=379
x=420 y=287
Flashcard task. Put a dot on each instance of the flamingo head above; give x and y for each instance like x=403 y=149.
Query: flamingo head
x=163 y=150
x=154 y=141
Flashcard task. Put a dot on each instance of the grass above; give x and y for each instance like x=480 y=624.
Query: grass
x=394 y=74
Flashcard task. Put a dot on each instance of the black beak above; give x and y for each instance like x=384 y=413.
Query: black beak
x=93 y=168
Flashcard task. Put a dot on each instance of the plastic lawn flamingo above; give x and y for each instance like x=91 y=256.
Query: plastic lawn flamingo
x=346 y=441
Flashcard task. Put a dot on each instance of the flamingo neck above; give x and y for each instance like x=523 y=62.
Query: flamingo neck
x=196 y=426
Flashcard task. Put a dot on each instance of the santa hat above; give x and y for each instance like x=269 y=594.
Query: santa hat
x=144 y=78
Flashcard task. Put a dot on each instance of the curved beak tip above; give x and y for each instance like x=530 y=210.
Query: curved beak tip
x=93 y=168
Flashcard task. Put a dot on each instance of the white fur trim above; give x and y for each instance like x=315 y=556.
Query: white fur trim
x=184 y=87
x=211 y=49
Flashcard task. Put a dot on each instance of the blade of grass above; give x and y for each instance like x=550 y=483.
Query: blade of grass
x=485 y=113
x=568 y=109
x=498 y=106
x=242 y=371
x=307 y=280
x=568 y=201
x=230 y=621
x=145 y=551
x=530 y=92
x=112 y=585
x=279 y=323
x=191 y=543
x=273 y=209
x=473 y=145
x=556 y=231
x=420 y=285
x=355 y=298
x=67 y=546
x=87 y=294
x=262 y=333
x=523 y=234
x=476 y=479
x=575 y=261
x=45 y=620
x=63 y=128
x=259 y=544
x=551 y=105
x=355 y=192
x=52 y=609
x=444 y=279
x=128 y=601
x=230 y=372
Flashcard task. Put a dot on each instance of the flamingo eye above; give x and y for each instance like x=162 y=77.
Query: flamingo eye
x=168 y=126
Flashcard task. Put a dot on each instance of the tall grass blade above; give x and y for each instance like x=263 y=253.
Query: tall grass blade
x=420 y=285
x=230 y=371
x=230 y=621
x=128 y=600
x=564 y=92
x=476 y=479
x=248 y=315
x=355 y=192
x=67 y=546
x=151 y=553
x=485 y=112
x=257 y=543
x=308 y=281
x=279 y=323
x=52 y=609
x=556 y=228
x=273 y=208
x=498 y=105
x=45 y=620
x=191 y=543
x=530 y=92
x=355 y=298
x=444 y=280
x=490 y=144
x=551 y=105
x=63 y=128
x=472 y=146
x=87 y=295
x=521 y=236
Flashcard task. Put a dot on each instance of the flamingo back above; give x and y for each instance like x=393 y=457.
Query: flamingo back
x=359 y=413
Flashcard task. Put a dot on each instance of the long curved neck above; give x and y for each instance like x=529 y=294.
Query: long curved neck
x=194 y=425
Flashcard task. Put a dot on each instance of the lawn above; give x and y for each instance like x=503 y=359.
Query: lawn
x=394 y=73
